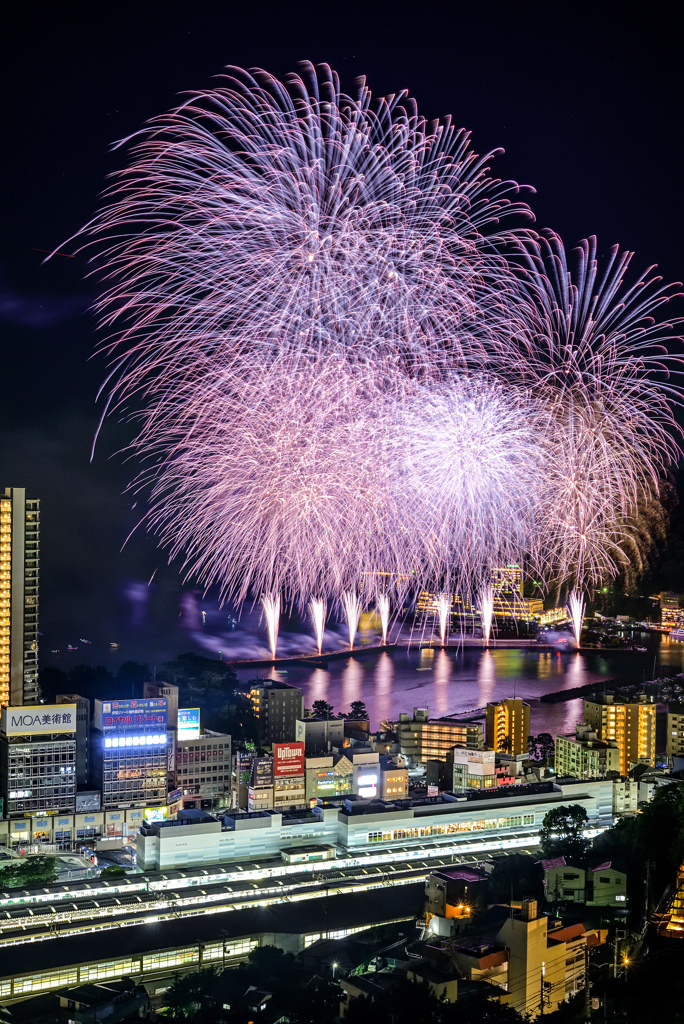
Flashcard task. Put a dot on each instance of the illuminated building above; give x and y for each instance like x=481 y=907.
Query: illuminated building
x=422 y=739
x=169 y=691
x=671 y=615
x=473 y=769
x=277 y=706
x=203 y=766
x=630 y=723
x=508 y=726
x=585 y=756
x=675 y=730
x=130 y=745
x=82 y=733
x=19 y=573
x=38 y=758
x=507 y=579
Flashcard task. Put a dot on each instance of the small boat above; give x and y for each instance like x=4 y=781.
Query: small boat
x=642 y=649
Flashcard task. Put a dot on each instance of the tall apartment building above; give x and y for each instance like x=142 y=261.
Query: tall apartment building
x=631 y=723
x=422 y=739
x=675 y=730
x=277 y=706
x=38 y=759
x=19 y=573
x=585 y=756
x=508 y=726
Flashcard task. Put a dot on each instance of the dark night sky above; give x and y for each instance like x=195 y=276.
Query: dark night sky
x=585 y=98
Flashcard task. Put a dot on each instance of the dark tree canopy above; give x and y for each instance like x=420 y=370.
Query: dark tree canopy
x=561 y=832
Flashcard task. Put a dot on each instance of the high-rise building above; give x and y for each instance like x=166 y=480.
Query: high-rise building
x=277 y=706
x=508 y=726
x=38 y=758
x=675 y=730
x=631 y=723
x=203 y=765
x=19 y=572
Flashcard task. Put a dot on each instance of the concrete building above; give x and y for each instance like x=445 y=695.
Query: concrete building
x=422 y=739
x=625 y=796
x=508 y=725
x=586 y=756
x=354 y=773
x=82 y=734
x=64 y=828
x=671 y=615
x=473 y=769
x=169 y=691
x=129 y=762
x=319 y=735
x=277 y=706
x=19 y=577
x=358 y=825
x=630 y=723
x=203 y=766
x=38 y=758
x=675 y=730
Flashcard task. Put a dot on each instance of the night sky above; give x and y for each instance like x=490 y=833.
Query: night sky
x=585 y=98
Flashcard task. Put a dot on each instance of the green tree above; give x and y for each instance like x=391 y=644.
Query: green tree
x=189 y=992
x=561 y=832
x=28 y=873
x=113 y=871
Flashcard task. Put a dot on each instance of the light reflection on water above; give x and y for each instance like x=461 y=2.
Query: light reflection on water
x=458 y=680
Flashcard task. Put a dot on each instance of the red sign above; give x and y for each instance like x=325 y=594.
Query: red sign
x=288 y=759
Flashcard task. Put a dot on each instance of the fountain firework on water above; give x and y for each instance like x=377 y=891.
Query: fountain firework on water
x=318 y=610
x=384 y=612
x=271 y=606
x=377 y=379
x=576 y=613
x=486 y=602
x=443 y=611
x=352 y=611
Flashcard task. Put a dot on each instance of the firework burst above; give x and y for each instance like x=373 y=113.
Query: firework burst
x=344 y=367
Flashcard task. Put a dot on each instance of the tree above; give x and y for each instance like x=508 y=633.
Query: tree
x=541 y=747
x=28 y=873
x=357 y=712
x=321 y=709
x=113 y=871
x=561 y=832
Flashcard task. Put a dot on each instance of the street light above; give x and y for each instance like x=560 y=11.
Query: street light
x=334 y=968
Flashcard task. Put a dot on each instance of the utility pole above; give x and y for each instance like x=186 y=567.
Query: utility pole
x=587 y=995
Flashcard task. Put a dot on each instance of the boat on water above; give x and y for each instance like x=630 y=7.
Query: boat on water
x=677 y=634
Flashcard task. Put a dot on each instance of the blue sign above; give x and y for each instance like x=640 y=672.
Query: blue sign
x=188 y=723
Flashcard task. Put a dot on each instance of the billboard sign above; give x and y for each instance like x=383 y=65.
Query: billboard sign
x=368 y=785
x=39 y=719
x=88 y=801
x=156 y=813
x=130 y=714
x=288 y=759
x=261 y=772
x=188 y=723
x=433 y=791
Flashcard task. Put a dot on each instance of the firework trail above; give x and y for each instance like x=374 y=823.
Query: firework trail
x=443 y=612
x=384 y=613
x=576 y=613
x=352 y=611
x=271 y=605
x=344 y=367
x=486 y=603
x=318 y=610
